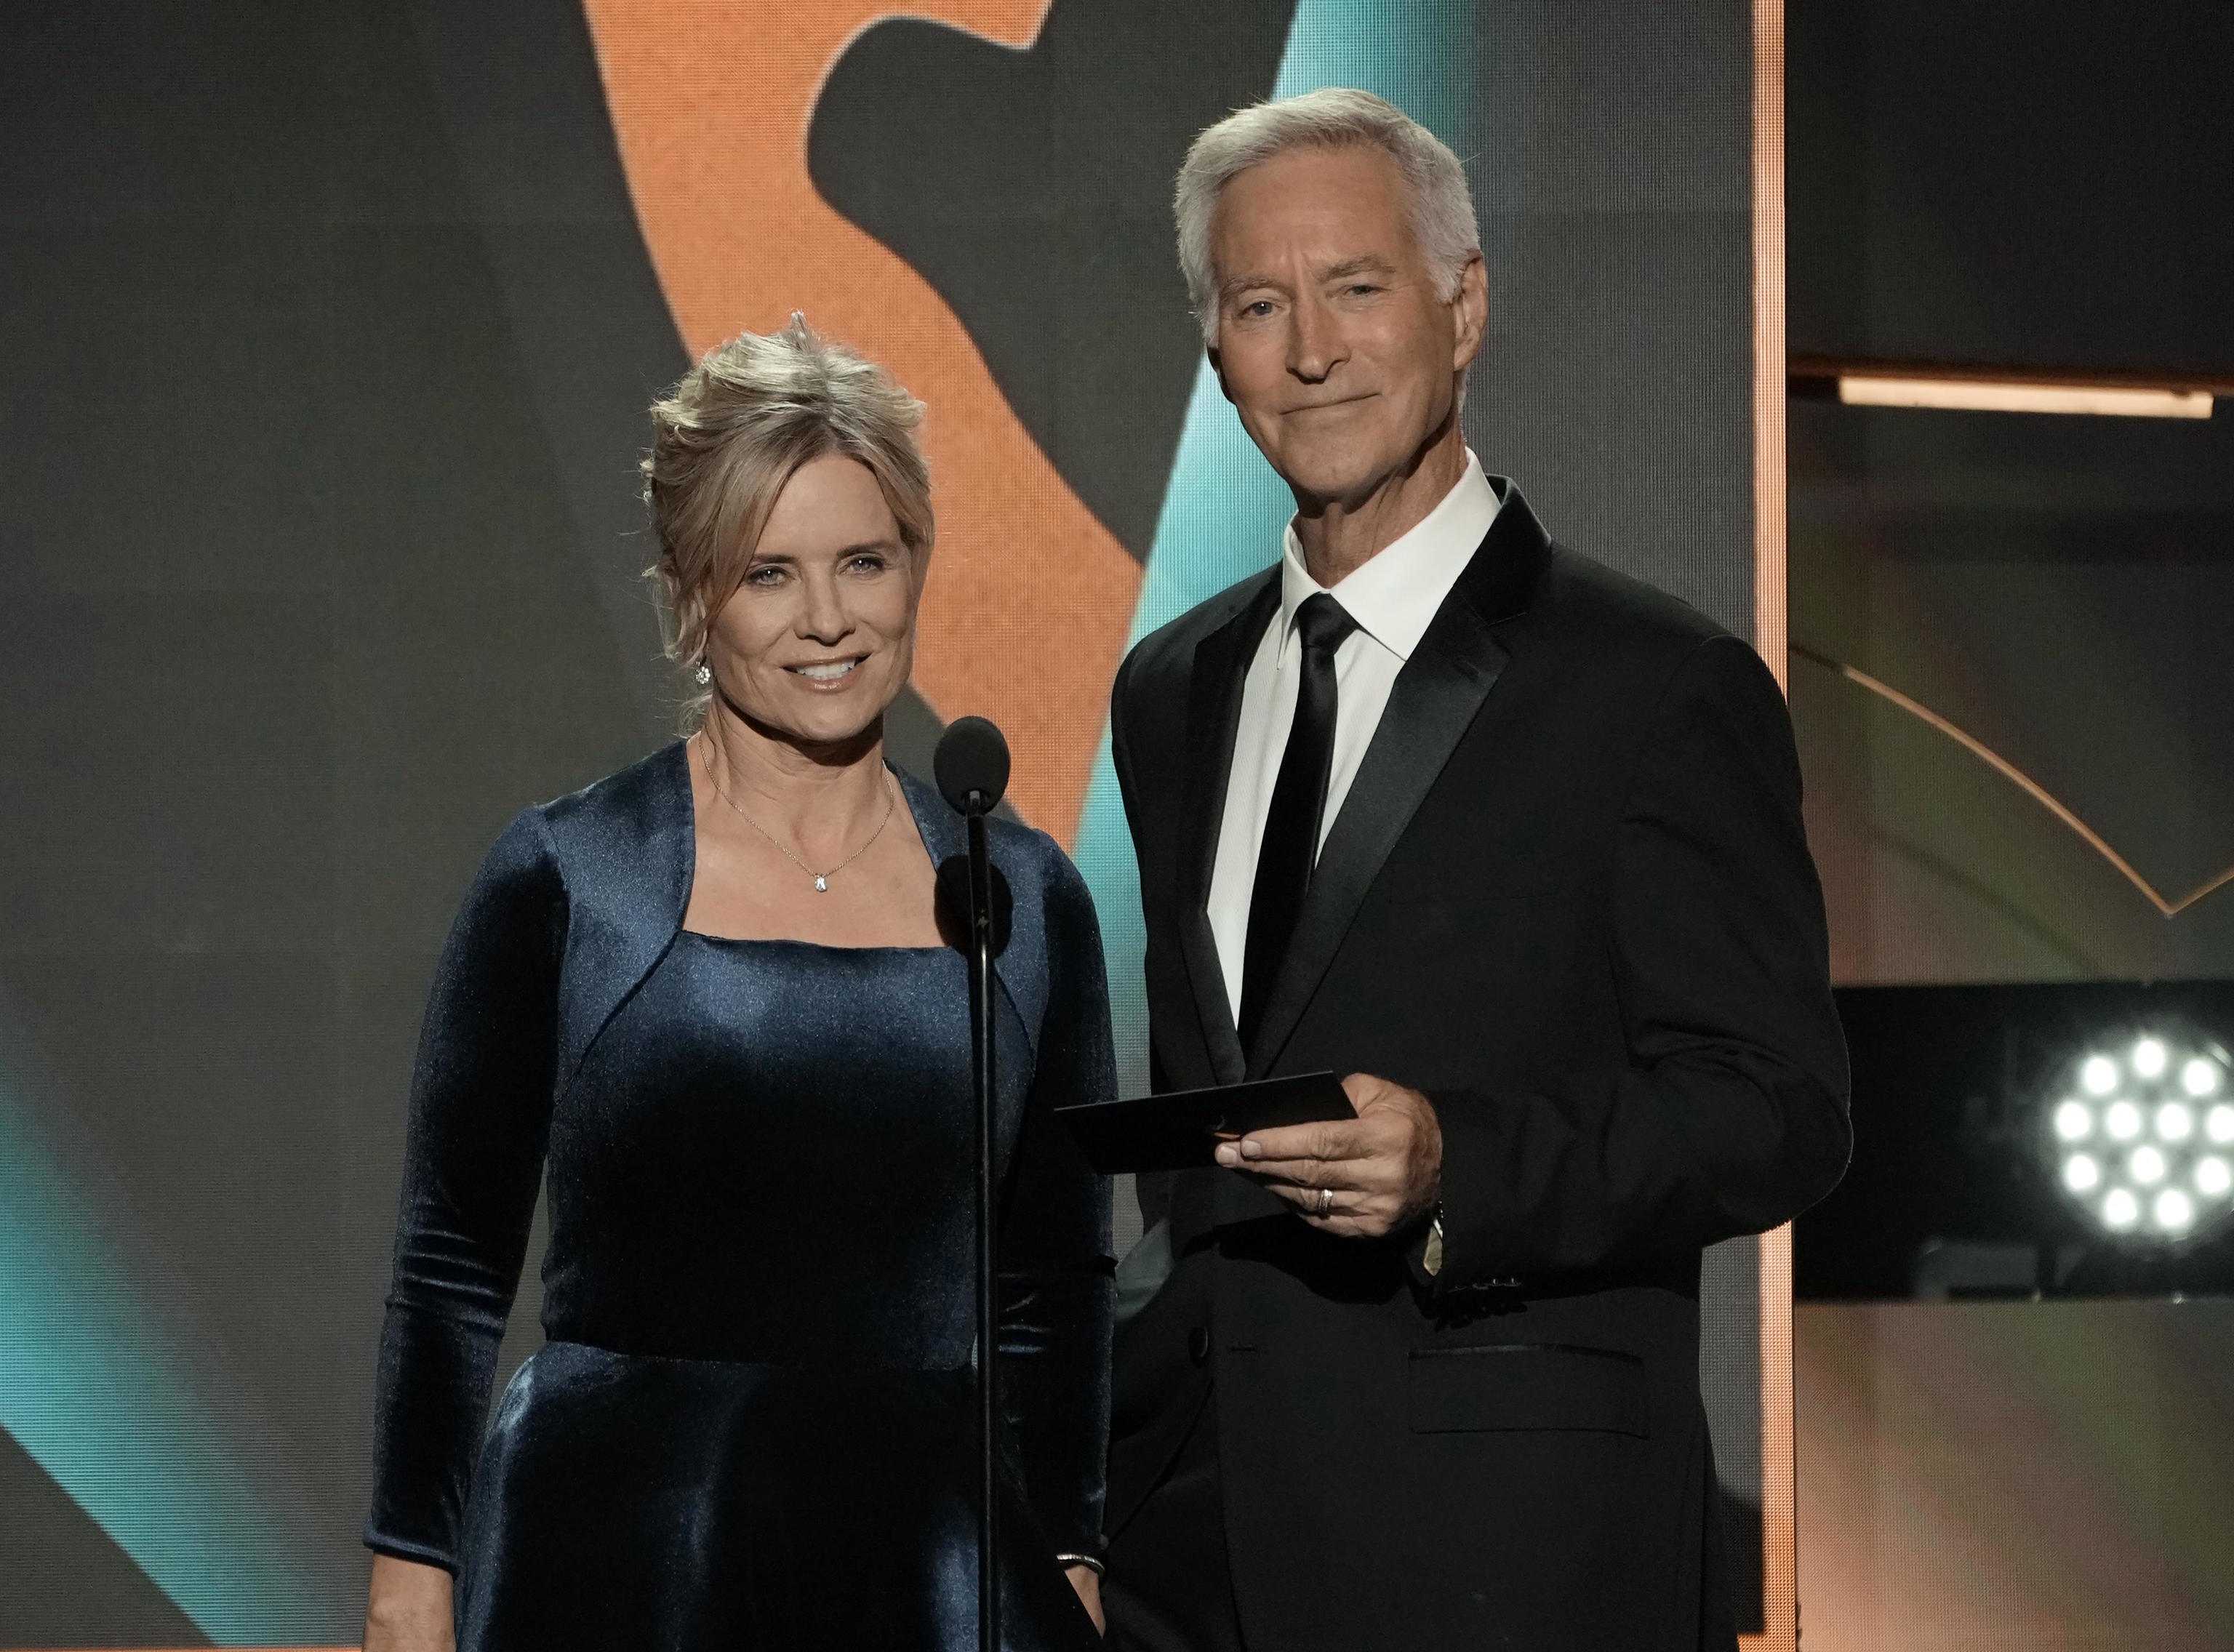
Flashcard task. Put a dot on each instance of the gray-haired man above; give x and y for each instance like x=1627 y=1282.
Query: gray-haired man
x=1513 y=842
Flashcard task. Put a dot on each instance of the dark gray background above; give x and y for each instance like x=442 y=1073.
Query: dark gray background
x=318 y=563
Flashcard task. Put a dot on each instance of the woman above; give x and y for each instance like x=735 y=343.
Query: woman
x=712 y=1001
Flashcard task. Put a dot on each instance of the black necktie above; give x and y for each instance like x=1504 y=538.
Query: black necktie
x=1290 y=844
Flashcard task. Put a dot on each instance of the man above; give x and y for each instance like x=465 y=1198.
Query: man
x=1514 y=844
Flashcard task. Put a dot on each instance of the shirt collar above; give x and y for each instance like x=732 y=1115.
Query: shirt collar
x=1393 y=595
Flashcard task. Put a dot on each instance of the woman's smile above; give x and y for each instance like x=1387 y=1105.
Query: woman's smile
x=827 y=673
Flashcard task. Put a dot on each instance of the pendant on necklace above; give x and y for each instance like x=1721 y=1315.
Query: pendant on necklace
x=821 y=886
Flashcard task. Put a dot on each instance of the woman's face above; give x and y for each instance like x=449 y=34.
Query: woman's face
x=821 y=636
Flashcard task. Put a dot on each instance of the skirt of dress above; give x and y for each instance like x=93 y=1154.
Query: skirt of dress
x=625 y=1501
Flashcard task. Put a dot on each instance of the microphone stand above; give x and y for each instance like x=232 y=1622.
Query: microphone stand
x=972 y=764
x=988 y=1382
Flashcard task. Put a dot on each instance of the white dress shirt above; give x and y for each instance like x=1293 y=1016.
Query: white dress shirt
x=1391 y=596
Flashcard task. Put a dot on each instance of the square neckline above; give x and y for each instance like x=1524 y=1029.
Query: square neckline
x=690 y=884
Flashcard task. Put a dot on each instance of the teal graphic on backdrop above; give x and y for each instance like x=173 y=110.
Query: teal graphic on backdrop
x=1224 y=509
x=105 y=1397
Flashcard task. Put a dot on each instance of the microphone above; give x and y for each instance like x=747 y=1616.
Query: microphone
x=972 y=768
x=971 y=765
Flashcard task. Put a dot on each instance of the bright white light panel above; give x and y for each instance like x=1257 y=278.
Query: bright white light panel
x=2142 y=1134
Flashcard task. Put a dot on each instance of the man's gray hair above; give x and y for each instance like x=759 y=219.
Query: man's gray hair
x=1336 y=117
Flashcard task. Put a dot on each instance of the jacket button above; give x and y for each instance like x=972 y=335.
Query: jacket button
x=1199 y=1344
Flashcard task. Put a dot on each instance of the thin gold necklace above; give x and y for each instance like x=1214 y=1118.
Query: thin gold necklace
x=821 y=879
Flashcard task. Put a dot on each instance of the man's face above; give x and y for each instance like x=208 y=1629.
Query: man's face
x=1332 y=344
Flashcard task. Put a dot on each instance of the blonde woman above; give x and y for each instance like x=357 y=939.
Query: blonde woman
x=711 y=1001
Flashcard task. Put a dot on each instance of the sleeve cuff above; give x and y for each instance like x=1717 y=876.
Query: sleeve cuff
x=403 y=1549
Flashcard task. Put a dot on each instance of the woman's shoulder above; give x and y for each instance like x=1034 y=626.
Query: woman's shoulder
x=644 y=793
x=1015 y=844
x=1037 y=870
x=630 y=823
x=1016 y=847
x=1042 y=874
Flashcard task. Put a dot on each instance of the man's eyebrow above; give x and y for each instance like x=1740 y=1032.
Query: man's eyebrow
x=1363 y=264
x=1232 y=285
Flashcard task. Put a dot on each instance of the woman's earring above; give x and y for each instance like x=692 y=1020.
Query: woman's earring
x=704 y=674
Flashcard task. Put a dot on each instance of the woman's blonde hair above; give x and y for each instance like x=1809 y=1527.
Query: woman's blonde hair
x=728 y=437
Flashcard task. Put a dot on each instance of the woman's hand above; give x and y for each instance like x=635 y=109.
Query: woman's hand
x=1084 y=1579
x=407 y=1608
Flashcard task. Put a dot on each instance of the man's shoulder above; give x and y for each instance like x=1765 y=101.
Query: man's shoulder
x=1636 y=646
x=1616 y=615
x=1171 y=646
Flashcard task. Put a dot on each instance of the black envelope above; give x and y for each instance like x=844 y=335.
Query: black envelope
x=1180 y=1130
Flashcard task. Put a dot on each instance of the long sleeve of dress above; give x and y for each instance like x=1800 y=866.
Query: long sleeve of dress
x=480 y=1107
x=1057 y=1296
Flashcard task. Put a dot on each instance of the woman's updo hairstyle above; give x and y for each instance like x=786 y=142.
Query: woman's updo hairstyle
x=728 y=437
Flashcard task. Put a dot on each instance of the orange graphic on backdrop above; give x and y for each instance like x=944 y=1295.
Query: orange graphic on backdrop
x=1030 y=596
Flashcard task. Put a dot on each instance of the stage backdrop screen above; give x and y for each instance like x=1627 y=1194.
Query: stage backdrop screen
x=328 y=336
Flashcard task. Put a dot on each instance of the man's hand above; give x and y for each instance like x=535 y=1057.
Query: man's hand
x=1384 y=1168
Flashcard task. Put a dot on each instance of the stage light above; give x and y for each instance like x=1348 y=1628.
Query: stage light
x=2007 y=1158
x=2168 y=1179
x=1995 y=396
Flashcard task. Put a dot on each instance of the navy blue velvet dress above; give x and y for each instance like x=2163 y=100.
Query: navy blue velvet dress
x=750 y=1425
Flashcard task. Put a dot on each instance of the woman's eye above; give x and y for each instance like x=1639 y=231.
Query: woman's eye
x=766 y=575
x=867 y=565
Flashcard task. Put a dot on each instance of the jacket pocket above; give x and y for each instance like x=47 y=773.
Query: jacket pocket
x=1527 y=1384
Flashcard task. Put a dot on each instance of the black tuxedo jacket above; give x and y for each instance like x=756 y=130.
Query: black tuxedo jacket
x=1569 y=899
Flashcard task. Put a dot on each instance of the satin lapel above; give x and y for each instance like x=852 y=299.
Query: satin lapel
x=1221 y=664
x=1435 y=699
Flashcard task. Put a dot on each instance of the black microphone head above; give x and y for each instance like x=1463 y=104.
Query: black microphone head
x=972 y=764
